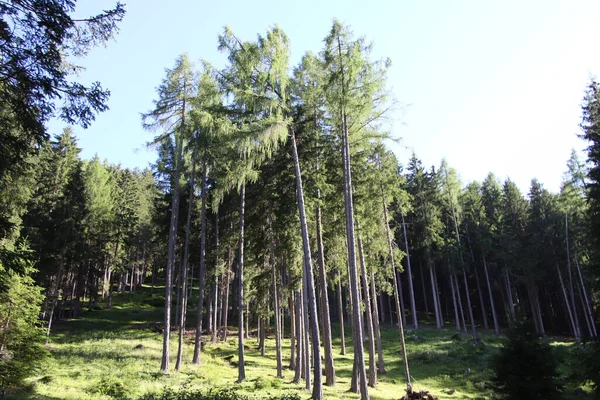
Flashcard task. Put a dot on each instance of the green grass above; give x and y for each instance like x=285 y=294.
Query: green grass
x=95 y=357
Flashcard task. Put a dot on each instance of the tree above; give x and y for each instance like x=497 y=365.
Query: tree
x=37 y=40
x=169 y=117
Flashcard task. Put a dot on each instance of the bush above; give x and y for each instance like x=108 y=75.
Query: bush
x=525 y=368
x=590 y=360
x=112 y=387
x=21 y=338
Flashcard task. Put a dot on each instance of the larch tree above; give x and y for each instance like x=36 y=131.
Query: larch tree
x=169 y=118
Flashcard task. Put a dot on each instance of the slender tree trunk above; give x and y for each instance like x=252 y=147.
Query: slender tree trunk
x=225 y=301
x=492 y=304
x=305 y=321
x=588 y=305
x=241 y=362
x=357 y=330
x=413 y=307
x=437 y=298
x=54 y=299
x=327 y=345
x=509 y=293
x=424 y=293
x=317 y=393
x=568 y=305
x=293 y=365
x=401 y=294
x=171 y=247
x=277 y=323
x=460 y=305
x=380 y=363
x=300 y=332
x=538 y=310
x=184 y=264
x=480 y=295
x=585 y=315
x=571 y=284
x=469 y=306
x=369 y=315
x=438 y=323
x=341 y=314
x=454 y=303
x=202 y=270
x=401 y=329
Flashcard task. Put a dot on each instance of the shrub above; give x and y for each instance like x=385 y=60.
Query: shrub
x=525 y=368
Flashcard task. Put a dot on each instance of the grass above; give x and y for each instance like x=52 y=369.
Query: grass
x=98 y=357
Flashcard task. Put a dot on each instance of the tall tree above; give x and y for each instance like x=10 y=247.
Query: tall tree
x=169 y=118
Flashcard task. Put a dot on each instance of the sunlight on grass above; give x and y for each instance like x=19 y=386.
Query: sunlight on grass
x=116 y=354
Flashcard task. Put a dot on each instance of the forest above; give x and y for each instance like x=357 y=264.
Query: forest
x=277 y=214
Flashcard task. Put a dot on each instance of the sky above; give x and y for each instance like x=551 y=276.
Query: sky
x=491 y=86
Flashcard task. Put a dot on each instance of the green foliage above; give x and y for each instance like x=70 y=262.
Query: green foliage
x=525 y=368
x=112 y=387
x=212 y=394
x=38 y=40
x=21 y=338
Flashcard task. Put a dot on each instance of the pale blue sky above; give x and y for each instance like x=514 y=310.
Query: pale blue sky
x=489 y=85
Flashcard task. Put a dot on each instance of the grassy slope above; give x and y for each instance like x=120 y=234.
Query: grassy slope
x=94 y=357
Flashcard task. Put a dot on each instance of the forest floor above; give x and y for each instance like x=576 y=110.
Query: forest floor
x=98 y=356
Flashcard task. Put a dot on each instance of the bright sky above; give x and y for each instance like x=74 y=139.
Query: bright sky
x=488 y=85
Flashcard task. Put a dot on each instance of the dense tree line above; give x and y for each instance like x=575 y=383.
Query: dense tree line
x=274 y=204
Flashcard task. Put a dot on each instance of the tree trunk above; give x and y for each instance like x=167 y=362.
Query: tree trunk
x=401 y=329
x=184 y=265
x=241 y=362
x=277 y=323
x=492 y=304
x=460 y=305
x=568 y=305
x=300 y=332
x=424 y=293
x=293 y=365
x=327 y=345
x=571 y=284
x=225 y=301
x=202 y=270
x=357 y=330
x=438 y=323
x=54 y=299
x=588 y=305
x=369 y=315
x=509 y=293
x=380 y=363
x=469 y=306
x=413 y=307
x=317 y=393
x=171 y=247
x=341 y=314
x=454 y=303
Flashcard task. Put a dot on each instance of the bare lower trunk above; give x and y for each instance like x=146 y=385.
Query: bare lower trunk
x=481 y=298
x=277 y=323
x=380 y=363
x=184 y=265
x=469 y=306
x=240 y=305
x=438 y=323
x=317 y=393
x=202 y=269
x=588 y=305
x=568 y=305
x=460 y=305
x=341 y=315
x=492 y=304
x=54 y=299
x=327 y=345
x=454 y=302
x=572 y=284
x=413 y=307
x=369 y=315
x=293 y=330
x=225 y=301
x=509 y=293
x=300 y=331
